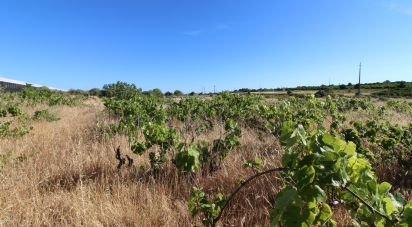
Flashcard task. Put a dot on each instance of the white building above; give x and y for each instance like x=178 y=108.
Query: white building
x=11 y=85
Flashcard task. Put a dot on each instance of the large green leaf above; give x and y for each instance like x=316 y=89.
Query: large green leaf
x=286 y=134
x=336 y=143
x=325 y=214
x=389 y=206
x=407 y=215
x=187 y=158
x=305 y=176
x=384 y=188
x=350 y=149
x=284 y=199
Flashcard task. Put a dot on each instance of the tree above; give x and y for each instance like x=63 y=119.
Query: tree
x=77 y=92
x=402 y=84
x=178 y=93
x=155 y=92
x=120 y=90
x=168 y=93
x=95 y=92
x=321 y=93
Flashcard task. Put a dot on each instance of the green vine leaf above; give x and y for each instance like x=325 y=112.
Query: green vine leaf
x=188 y=158
x=138 y=148
x=283 y=202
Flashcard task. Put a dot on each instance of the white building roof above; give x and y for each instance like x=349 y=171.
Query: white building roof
x=7 y=80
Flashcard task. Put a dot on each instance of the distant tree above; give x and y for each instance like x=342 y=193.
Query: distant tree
x=289 y=92
x=168 y=93
x=386 y=81
x=178 y=93
x=120 y=90
x=349 y=84
x=95 y=92
x=192 y=93
x=343 y=87
x=77 y=92
x=244 y=90
x=155 y=92
x=402 y=84
x=322 y=93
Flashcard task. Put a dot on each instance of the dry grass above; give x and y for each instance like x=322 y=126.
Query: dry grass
x=63 y=173
x=67 y=178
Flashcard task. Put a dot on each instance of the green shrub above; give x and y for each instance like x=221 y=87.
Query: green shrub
x=45 y=115
x=120 y=90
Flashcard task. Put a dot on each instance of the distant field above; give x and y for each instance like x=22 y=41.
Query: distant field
x=365 y=92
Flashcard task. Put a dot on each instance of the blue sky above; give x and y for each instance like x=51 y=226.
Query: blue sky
x=195 y=44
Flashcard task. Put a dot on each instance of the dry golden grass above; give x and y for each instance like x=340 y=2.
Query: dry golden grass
x=64 y=173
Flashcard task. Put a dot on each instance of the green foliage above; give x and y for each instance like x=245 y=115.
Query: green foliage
x=156 y=135
x=210 y=208
x=120 y=90
x=321 y=93
x=11 y=109
x=320 y=161
x=14 y=110
x=394 y=143
x=8 y=130
x=95 y=92
x=319 y=157
x=13 y=121
x=147 y=115
x=407 y=215
x=402 y=106
x=255 y=164
x=396 y=92
x=221 y=147
x=178 y=93
x=188 y=158
x=155 y=92
x=45 y=115
x=35 y=95
x=192 y=157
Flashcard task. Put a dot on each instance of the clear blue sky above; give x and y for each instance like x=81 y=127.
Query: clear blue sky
x=190 y=44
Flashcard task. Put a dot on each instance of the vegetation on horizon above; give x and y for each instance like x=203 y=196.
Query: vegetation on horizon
x=378 y=89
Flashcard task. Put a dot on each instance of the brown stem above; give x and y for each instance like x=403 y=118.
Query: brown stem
x=371 y=209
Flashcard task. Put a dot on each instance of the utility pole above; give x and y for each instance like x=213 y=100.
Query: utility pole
x=360 y=72
x=214 y=89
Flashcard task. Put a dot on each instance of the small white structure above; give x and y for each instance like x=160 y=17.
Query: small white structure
x=11 y=85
